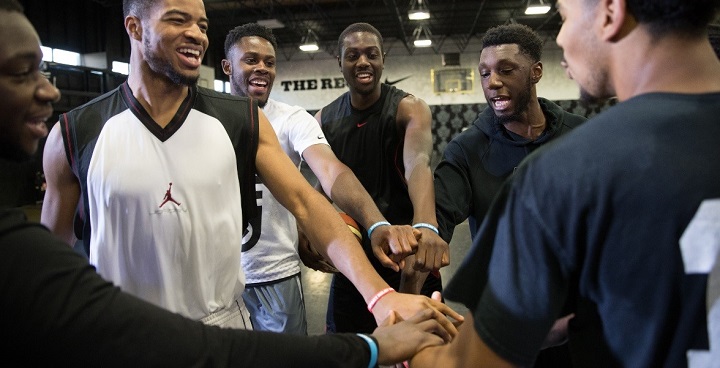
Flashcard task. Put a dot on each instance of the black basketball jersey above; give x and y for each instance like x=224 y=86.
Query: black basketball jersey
x=370 y=143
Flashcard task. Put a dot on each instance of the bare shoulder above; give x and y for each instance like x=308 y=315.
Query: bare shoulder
x=413 y=102
x=413 y=109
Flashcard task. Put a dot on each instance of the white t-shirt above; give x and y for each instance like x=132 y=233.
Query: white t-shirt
x=275 y=255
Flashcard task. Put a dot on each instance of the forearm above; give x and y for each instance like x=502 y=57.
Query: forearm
x=348 y=193
x=433 y=252
x=411 y=280
x=336 y=243
x=62 y=306
x=421 y=190
x=341 y=185
x=453 y=196
x=336 y=350
x=466 y=350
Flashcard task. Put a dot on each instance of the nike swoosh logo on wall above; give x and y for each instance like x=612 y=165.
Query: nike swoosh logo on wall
x=390 y=83
x=361 y=124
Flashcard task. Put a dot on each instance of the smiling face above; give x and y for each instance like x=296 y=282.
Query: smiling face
x=362 y=62
x=174 y=39
x=26 y=93
x=508 y=78
x=251 y=67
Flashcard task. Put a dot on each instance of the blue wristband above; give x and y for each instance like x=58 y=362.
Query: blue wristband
x=373 y=350
x=427 y=226
x=375 y=226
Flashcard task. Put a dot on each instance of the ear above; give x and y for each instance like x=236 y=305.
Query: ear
x=615 y=19
x=536 y=71
x=226 y=66
x=133 y=27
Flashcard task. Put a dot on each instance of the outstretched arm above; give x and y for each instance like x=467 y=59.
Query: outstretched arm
x=63 y=189
x=400 y=340
x=407 y=304
x=415 y=120
x=467 y=350
x=349 y=194
x=55 y=292
x=453 y=192
x=328 y=232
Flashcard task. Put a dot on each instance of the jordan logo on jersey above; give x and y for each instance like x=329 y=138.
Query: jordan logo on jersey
x=168 y=197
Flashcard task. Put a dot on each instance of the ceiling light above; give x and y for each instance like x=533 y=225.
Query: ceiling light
x=418 y=10
x=537 y=7
x=309 y=42
x=271 y=23
x=309 y=47
x=422 y=37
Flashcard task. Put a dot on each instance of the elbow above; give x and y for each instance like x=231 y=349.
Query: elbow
x=419 y=161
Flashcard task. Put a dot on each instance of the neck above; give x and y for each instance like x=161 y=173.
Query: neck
x=156 y=93
x=531 y=123
x=363 y=101
x=644 y=64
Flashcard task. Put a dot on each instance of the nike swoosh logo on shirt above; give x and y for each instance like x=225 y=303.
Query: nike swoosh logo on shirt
x=361 y=124
x=320 y=137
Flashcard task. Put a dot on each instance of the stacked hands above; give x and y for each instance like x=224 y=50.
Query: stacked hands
x=391 y=245
x=418 y=321
x=407 y=337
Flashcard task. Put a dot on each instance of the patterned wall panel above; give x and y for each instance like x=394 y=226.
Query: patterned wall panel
x=451 y=120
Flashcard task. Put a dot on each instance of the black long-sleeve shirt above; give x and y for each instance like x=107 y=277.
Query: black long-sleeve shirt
x=56 y=310
x=477 y=162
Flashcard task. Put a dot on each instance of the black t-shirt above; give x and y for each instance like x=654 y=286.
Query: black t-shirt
x=619 y=218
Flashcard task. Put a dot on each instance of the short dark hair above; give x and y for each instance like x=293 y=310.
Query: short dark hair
x=528 y=40
x=689 y=17
x=249 y=30
x=714 y=36
x=358 y=27
x=137 y=7
x=11 y=6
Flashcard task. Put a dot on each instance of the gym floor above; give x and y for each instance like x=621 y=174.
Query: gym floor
x=317 y=284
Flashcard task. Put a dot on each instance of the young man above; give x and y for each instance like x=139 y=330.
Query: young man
x=383 y=134
x=515 y=123
x=120 y=159
x=56 y=309
x=270 y=259
x=619 y=218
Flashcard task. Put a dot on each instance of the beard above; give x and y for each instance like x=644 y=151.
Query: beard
x=164 y=67
x=366 y=91
x=363 y=89
x=596 y=89
x=522 y=100
x=586 y=98
x=245 y=92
